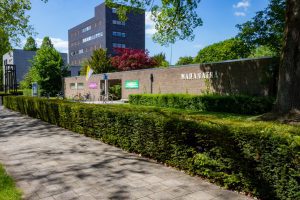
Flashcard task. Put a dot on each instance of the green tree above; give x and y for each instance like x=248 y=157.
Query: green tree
x=30 y=45
x=160 y=59
x=174 y=19
x=13 y=19
x=185 y=60
x=46 y=69
x=4 y=48
x=1 y=78
x=266 y=27
x=47 y=43
x=262 y=51
x=99 y=62
x=288 y=96
x=226 y=50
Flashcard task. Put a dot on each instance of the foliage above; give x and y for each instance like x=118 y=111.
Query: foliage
x=46 y=43
x=99 y=62
x=65 y=70
x=30 y=45
x=160 y=60
x=254 y=157
x=131 y=59
x=266 y=27
x=1 y=78
x=226 y=50
x=116 y=91
x=13 y=18
x=174 y=20
x=262 y=51
x=185 y=60
x=8 y=188
x=45 y=69
x=4 y=48
x=216 y=103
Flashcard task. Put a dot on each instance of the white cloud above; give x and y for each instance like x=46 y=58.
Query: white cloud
x=150 y=24
x=244 y=4
x=59 y=44
x=240 y=14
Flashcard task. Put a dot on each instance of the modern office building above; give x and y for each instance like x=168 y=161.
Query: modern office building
x=106 y=31
x=21 y=59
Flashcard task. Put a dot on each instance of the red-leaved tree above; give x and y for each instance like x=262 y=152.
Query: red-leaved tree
x=131 y=59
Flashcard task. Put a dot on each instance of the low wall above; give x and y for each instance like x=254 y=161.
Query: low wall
x=246 y=76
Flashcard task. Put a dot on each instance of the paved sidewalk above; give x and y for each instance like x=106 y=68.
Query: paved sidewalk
x=51 y=163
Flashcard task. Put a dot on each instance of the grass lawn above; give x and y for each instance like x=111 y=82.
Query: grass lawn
x=8 y=190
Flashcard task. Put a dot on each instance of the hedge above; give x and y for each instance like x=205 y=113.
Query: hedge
x=255 y=157
x=238 y=104
x=2 y=94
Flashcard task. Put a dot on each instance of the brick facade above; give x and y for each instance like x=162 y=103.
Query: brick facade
x=246 y=76
x=100 y=32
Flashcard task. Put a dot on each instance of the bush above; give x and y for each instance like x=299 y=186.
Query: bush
x=214 y=103
x=255 y=157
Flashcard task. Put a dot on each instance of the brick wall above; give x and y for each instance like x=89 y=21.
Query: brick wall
x=246 y=76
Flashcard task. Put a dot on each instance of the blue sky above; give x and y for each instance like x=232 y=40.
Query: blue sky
x=219 y=17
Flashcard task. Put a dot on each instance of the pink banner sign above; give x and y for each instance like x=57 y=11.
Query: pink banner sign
x=93 y=85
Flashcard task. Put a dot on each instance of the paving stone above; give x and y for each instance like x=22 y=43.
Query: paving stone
x=161 y=196
x=66 y=196
x=200 y=195
x=51 y=163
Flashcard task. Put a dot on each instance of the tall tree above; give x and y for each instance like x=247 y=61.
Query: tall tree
x=99 y=62
x=266 y=27
x=46 y=69
x=160 y=60
x=174 y=19
x=47 y=42
x=225 y=50
x=288 y=96
x=13 y=19
x=30 y=45
x=131 y=59
x=185 y=60
x=4 y=48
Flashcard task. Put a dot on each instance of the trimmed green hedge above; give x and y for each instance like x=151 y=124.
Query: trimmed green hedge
x=255 y=157
x=238 y=104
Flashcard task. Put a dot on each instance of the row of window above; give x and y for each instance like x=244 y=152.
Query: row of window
x=86 y=29
x=78 y=86
x=80 y=51
x=75 y=43
x=92 y=37
x=78 y=32
x=118 y=34
x=117 y=22
x=118 y=45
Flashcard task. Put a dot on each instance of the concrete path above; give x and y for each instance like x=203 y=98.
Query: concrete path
x=51 y=163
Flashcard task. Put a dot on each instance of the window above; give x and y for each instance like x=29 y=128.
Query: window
x=80 y=86
x=114 y=10
x=92 y=37
x=73 y=86
x=86 y=29
x=117 y=22
x=118 y=34
x=118 y=45
x=80 y=51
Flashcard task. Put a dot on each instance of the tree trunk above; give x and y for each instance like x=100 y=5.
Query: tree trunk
x=288 y=96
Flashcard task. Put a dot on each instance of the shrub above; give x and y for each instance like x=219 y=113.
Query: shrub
x=215 y=103
x=255 y=157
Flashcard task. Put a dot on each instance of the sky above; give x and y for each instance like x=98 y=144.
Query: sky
x=219 y=18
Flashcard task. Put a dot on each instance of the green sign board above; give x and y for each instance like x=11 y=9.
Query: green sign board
x=132 y=84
